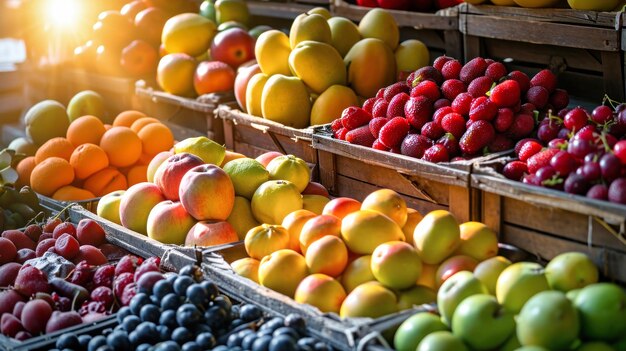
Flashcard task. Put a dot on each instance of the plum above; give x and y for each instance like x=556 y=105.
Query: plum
x=89 y=232
x=24 y=255
x=30 y=281
x=8 y=273
x=112 y=252
x=44 y=246
x=19 y=239
x=33 y=231
x=91 y=254
x=62 y=320
x=8 y=251
x=8 y=299
x=147 y=281
x=17 y=310
x=149 y=265
x=10 y=325
x=35 y=316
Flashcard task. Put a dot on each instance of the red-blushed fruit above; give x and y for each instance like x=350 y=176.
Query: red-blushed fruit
x=17 y=310
x=104 y=275
x=139 y=59
x=440 y=61
x=10 y=325
x=368 y=105
x=495 y=71
x=522 y=126
x=576 y=119
x=560 y=144
x=500 y=143
x=483 y=109
x=506 y=94
x=540 y=159
x=33 y=231
x=121 y=281
x=462 y=104
x=62 y=320
x=380 y=93
x=67 y=246
x=478 y=135
x=528 y=150
x=396 y=105
x=149 y=265
x=415 y=145
x=422 y=74
x=522 y=79
x=336 y=125
x=51 y=224
x=575 y=184
x=380 y=108
x=44 y=246
x=394 y=131
x=90 y=254
x=440 y=113
x=83 y=274
x=441 y=103
x=341 y=134
x=548 y=131
x=450 y=143
x=610 y=166
x=418 y=111
x=436 y=153
x=44 y=236
x=515 y=170
x=479 y=86
x=451 y=88
x=451 y=69
x=367 y=3
x=8 y=273
x=30 y=281
x=473 y=69
x=129 y=292
x=538 y=96
x=544 y=78
x=19 y=239
x=432 y=131
x=520 y=143
x=377 y=145
x=65 y=227
x=453 y=123
x=428 y=89
x=213 y=76
x=8 y=299
x=361 y=136
x=598 y=192
x=8 y=251
x=620 y=151
x=563 y=163
x=35 y=315
x=355 y=117
x=559 y=99
x=504 y=119
x=395 y=89
x=104 y=295
x=376 y=124
x=128 y=264
x=23 y=335
x=232 y=46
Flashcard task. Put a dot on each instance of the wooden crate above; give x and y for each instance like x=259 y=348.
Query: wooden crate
x=196 y=114
x=583 y=47
x=439 y=31
x=42 y=83
x=253 y=136
x=355 y=171
x=548 y=222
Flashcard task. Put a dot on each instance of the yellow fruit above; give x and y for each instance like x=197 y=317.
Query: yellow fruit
x=294 y=222
x=536 y=3
x=314 y=203
x=254 y=93
x=593 y=5
x=272 y=52
x=503 y=2
x=290 y=168
x=364 y=55
x=411 y=55
x=309 y=26
x=274 y=200
x=188 y=33
x=263 y=240
x=23 y=146
x=319 y=65
x=247 y=174
x=331 y=103
x=321 y=291
x=247 y=267
x=364 y=230
x=46 y=120
x=322 y=11
x=241 y=217
x=357 y=272
x=327 y=255
x=344 y=34
x=413 y=218
x=396 y=264
x=370 y=299
x=437 y=236
x=203 y=147
x=286 y=100
x=387 y=202
x=380 y=24
x=282 y=271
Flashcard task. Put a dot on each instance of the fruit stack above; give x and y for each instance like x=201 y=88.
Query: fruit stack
x=18 y=207
x=585 y=153
x=364 y=259
x=201 y=194
x=449 y=111
x=58 y=275
x=184 y=312
x=522 y=306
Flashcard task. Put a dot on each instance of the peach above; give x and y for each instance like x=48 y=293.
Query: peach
x=169 y=223
x=314 y=203
x=136 y=204
x=109 y=206
x=263 y=240
x=155 y=163
x=453 y=265
x=206 y=233
x=477 y=241
x=364 y=230
x=321 y=291
x=317 y=227
x=170 y=173
x=427 y=278
x=412 y=219
x=416 y=296
x=241 y=83
x=396 y=264
x=387 y=202
x=247 y=267
x=207 y=193
x=267 y=157
x=369 y=299
x=294 y=223
x=327 y=255
x=315 y=188
x=341 y=207
x=282 y=271
x=357 y=272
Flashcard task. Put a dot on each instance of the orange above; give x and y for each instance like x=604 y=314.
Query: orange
x=88 y=159
x=51 y=174
x=122 y=146
x=85 y=129
x=126 y=118
x=107 y=126
x=137 y=174
x=106 y=181
x=155 y=137
x=72 y=193
x=142 y=122
x=213 y=76
x=24 y=169
x=55 y=147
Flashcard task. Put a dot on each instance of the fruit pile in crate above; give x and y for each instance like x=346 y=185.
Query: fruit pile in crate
x=449 y=111
x=406 y=5
x=59 y=274
x=585 y=5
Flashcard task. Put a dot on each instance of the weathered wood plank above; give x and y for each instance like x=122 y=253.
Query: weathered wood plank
x=277 y=10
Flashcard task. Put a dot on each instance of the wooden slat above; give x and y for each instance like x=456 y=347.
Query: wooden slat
x=491 y=208
x=277 y=10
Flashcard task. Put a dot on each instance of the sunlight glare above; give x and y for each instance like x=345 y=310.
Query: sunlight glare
x=62 y=13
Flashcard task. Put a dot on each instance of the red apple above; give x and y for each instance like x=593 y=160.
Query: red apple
x=442 y=4
x=139 y=58
x=113 y=29
x=453 y=265
x=367 y=3
x=211 y=234
x=394 y=4
x=201 y=186
x=136 y=204
x=170 y=173
x=108 y=60
x=315 y=188
x=169 y=223
x=241 y=83
x=267 y=157
x=233 y=46
x=341 y=207
x=149 y=24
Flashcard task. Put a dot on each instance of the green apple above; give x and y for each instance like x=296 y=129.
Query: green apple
x=109 y=206
x=571 y=295
x=602 y=309
x=87 y=102
x=415 y=296
x=456 y=289
x=511 y=344
x=207 y=9
x=441 y=341
x=518 y=283
x=436 y=236
x=550 y=320
x=482 y=323
x=417 y=327
x=231 y=10
x=309 y=27
x=571 y=270
x=258 y=30
x=595 y=346
x=532 y=348
x=489 y=270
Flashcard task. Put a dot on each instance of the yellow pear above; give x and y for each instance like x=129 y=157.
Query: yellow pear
x=380 y=24
x=320 y=11
x=241 y=217
x=286 y=100
x=309 y=27
x=254 y=92
x=272 y=52
x=360 y=60
x=344 y=34
x=503 y=2
x=331 y=103
x=411 y=55
x=319 y=65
